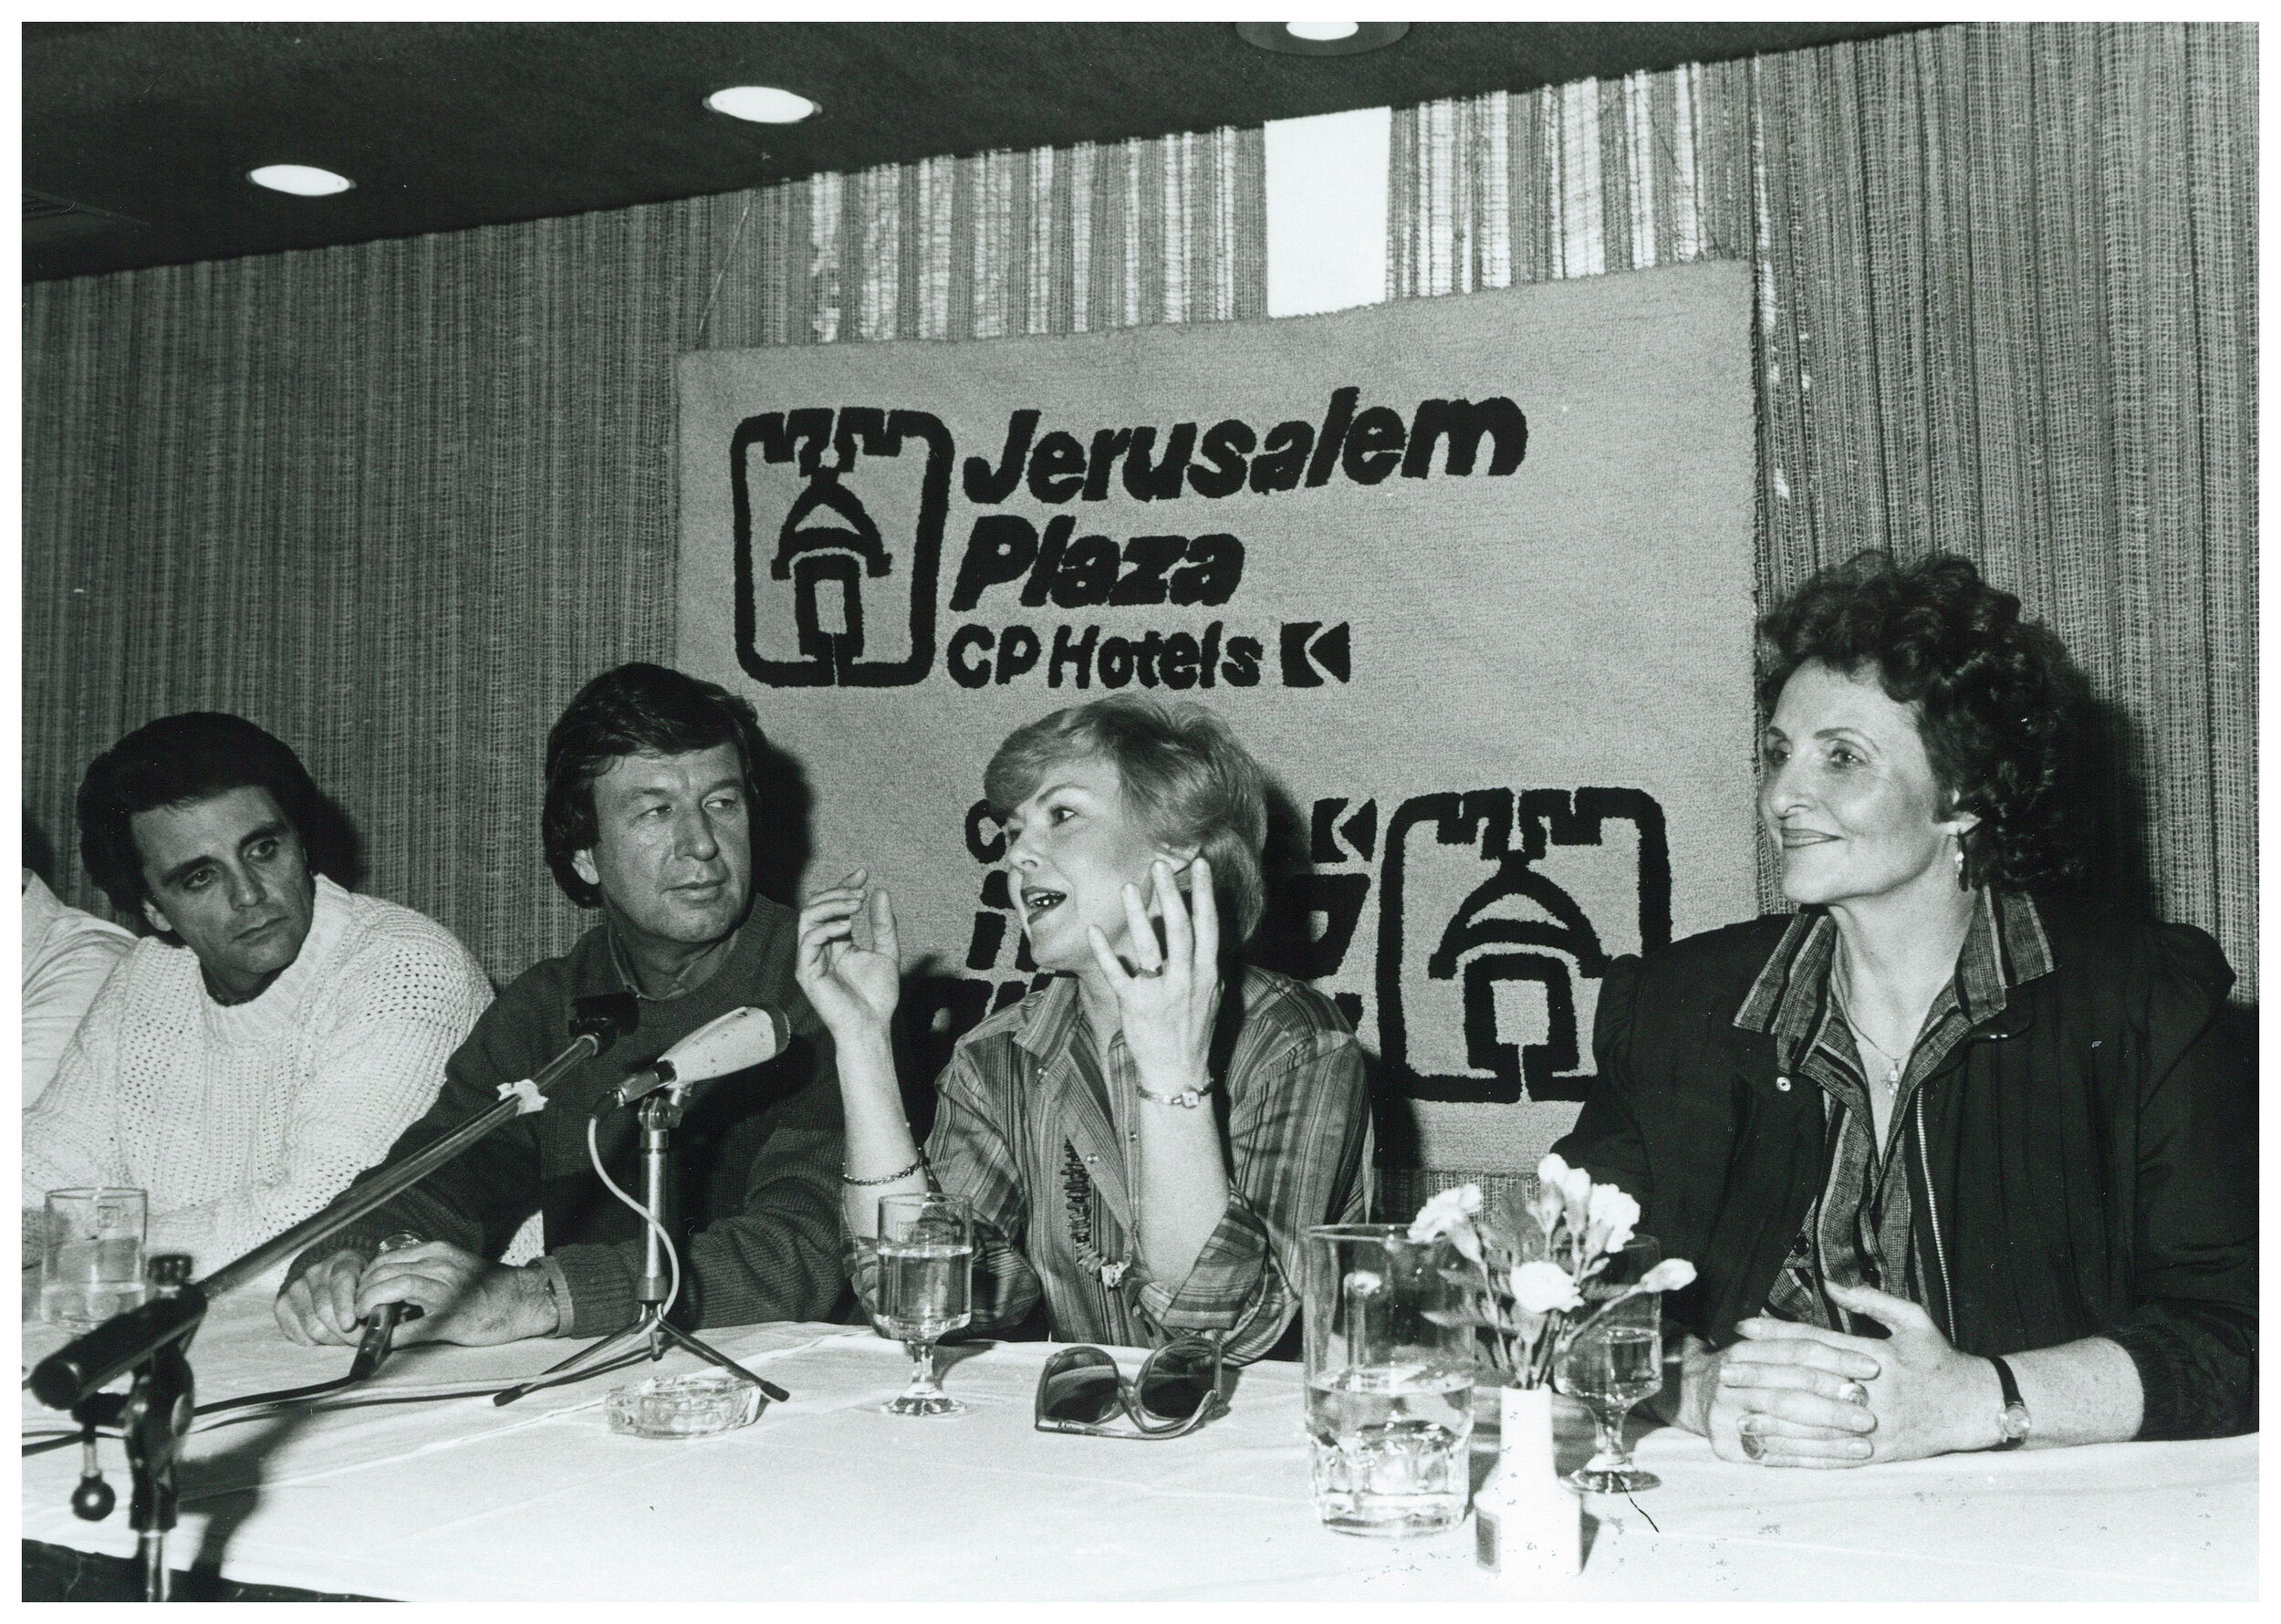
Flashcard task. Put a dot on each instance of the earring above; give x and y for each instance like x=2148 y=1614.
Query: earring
x=1960 y=867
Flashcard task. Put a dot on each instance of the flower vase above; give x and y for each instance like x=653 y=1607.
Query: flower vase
x=1527 y=1524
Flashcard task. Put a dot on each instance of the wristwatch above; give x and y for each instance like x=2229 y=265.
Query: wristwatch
x=1188 y=1100
x=2014 y=1422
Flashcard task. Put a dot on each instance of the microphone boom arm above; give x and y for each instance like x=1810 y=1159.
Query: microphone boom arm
x=85 y=1365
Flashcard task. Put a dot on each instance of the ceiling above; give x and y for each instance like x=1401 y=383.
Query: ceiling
x=137 y=136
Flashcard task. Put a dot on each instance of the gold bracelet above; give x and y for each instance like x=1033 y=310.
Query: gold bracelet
x=901 y=1172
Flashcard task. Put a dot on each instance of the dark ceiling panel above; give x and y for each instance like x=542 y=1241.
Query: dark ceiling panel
x=445 y=126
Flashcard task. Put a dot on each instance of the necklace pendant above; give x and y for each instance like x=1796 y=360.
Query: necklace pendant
x=1893 y=1078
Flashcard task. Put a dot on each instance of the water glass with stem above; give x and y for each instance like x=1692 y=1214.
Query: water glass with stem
x=1612 y=1360
x=926 y=1251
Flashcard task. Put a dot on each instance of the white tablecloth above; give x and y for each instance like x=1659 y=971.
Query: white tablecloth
x=824 y=1499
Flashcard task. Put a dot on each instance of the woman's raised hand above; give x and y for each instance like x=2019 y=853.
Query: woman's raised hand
x=853 y=987
x=1169 y=997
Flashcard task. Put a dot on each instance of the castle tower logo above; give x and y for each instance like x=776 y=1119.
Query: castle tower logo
x=1485 y=891
x=848 y=506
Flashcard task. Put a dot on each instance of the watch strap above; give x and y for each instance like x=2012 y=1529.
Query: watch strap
x=2014 y=1430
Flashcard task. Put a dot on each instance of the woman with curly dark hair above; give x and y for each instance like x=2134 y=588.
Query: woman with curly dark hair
x=1965 y=1161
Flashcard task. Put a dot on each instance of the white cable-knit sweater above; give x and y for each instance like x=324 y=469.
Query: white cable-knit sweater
x=242 y=1121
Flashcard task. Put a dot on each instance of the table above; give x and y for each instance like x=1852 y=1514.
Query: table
x=824 y=1499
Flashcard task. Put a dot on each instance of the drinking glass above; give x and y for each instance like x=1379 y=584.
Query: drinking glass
x=90 y=1264
x=1613 y=1359
x=1390 y=1386
x=926 y=1246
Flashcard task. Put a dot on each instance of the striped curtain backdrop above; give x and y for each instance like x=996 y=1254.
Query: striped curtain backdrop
x=396 y=502
x=2007 y=307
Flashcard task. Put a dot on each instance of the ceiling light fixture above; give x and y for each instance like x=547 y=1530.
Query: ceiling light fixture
x=761 y=104
x=300 y=179
x=1321 y=39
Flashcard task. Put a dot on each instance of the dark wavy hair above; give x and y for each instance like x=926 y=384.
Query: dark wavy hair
x=1996 y=697
x=630 y=709
x=173 y=761
x=1184 y=773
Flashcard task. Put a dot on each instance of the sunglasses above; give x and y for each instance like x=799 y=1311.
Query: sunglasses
x=1177 y=1391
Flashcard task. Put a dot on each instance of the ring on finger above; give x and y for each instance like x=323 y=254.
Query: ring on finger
x=1151 y=972
x=1854 y=1392
x=1754 y=1443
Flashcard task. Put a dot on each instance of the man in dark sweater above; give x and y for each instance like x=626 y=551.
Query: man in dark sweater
x=648 y=817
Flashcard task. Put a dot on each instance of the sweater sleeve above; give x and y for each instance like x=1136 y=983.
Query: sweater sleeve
x=403 y=1002
x=2193 y=1332
x=72 y=1132
x=477 y=1200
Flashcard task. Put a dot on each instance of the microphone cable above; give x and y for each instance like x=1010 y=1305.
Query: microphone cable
x=672 y=1255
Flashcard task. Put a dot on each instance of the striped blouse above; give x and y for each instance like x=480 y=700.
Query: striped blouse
x=1023 y=1092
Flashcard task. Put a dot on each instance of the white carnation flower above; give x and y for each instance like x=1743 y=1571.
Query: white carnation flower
x=1446 y=1211
x=1610 y=1216
x=1669 y=1275
x=1542 y=1287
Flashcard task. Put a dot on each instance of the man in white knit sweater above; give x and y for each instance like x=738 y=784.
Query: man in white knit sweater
x=274 y=1037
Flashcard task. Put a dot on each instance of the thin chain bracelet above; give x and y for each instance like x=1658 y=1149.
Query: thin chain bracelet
x=900 y=1173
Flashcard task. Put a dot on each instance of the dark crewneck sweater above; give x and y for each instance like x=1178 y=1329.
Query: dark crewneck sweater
x=757 y=1155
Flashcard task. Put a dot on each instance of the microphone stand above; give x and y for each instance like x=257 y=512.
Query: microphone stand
x=155 y=1415
x=660 y=1113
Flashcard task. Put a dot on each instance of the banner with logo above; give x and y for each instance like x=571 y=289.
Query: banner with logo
x=1471 y=575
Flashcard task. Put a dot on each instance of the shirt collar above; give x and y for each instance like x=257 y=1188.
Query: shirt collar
x=2004 y=947
x=1050 y=1018
x=622 y=968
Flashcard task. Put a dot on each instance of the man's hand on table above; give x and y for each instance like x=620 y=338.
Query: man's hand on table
x=464 y=1298
x=319 y=1304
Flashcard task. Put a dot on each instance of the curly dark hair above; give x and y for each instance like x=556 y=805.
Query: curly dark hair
x=1995 y=696
x=173 y=761
x=635 y=707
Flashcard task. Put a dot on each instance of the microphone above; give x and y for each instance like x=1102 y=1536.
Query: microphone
x=114 y=1347
x=741 y=1038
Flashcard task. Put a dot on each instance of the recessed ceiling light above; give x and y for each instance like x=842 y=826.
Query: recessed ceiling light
x=762 y=104
x=299 y=178
x=1321 y=39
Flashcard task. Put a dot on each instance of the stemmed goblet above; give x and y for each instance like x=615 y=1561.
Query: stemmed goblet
x=1612 y=1360
x=926 y=1248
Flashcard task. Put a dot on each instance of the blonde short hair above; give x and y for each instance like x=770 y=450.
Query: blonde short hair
x=1185 y=774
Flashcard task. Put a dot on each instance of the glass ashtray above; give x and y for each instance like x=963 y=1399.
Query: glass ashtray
x=697 y=1406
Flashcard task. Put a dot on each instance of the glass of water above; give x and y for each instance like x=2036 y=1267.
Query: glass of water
x=926 y=1246
x=90 y=1264
x=1390 y=1383
x=1612 y=1360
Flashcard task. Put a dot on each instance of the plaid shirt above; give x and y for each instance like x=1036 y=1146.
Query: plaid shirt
x=1024 y=1089
x=1858 y=1231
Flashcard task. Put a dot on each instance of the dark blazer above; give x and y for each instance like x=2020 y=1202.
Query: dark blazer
x=2090 y=1152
